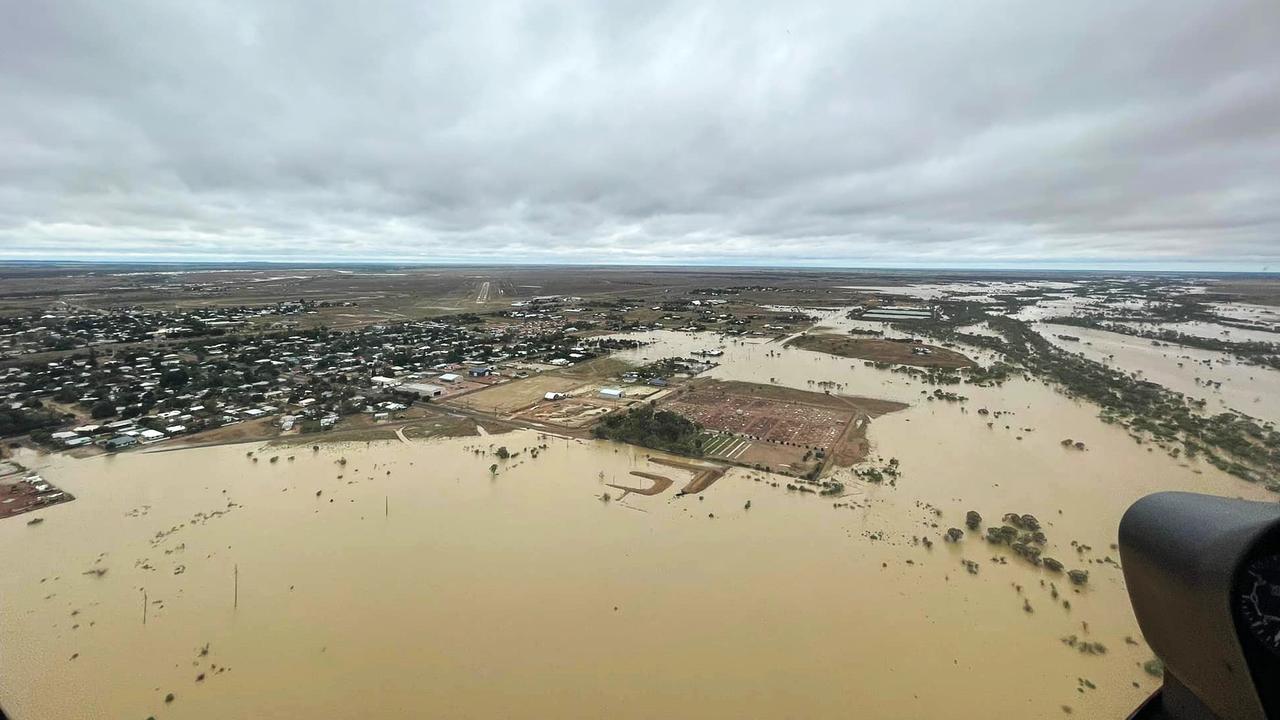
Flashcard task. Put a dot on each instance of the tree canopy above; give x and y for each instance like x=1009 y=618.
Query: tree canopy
x=657 y=429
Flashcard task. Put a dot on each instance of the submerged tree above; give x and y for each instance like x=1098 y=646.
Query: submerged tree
x=972 y=519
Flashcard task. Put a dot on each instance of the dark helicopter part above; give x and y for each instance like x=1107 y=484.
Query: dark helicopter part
x=1203 y=574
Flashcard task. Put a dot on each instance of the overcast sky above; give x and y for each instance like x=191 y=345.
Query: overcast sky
x=856 y=133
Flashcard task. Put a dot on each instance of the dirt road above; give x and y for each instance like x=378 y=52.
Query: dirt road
x=660 y=484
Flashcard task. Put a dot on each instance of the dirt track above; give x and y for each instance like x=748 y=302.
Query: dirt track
x=660 y=484
x=703 y=477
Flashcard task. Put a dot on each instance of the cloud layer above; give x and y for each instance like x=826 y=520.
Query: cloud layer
x=843 y=133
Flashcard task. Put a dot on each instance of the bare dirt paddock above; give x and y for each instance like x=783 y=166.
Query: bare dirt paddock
x=887 y=351
x=515 y=395
x=569 y=413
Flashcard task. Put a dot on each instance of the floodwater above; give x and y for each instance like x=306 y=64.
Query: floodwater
x=1060 y=306
x=769 y=362
x=1248 y=312
x=1214 y=331
x=418 y=584
x=1253 y=390
x=981 y=291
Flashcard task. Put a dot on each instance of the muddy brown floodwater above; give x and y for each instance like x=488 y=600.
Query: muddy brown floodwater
x=1250 y=389
x=412 y=582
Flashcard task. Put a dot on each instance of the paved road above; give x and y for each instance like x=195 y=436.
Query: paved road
x=484 y=292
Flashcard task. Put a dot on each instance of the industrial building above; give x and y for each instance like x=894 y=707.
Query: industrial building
x=424 y=390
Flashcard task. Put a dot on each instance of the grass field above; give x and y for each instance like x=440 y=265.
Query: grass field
x=725 y=446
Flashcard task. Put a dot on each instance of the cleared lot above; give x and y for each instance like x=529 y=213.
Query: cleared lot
x=517 y=394
x=570 y=413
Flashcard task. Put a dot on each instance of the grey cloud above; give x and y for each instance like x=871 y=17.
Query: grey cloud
x=877 y=132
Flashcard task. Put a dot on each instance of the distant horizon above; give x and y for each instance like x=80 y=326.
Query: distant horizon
x=1117 y=267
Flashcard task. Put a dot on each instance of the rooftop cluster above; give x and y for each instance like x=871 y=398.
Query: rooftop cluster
x=309 y=378
x=74 y=328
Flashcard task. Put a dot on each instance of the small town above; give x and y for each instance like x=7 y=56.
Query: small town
x=123 y=378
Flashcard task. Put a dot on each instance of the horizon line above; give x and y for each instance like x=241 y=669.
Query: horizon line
x=1118 y=266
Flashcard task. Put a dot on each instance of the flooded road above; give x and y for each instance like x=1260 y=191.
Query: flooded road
x=410 y=581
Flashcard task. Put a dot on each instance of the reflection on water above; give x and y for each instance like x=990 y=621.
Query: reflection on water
x=412 y=582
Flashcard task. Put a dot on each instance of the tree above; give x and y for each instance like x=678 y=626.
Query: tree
x=658 y=429
x=175 y=378
x=16 y=422
x=103 y=409
x=972 y=519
